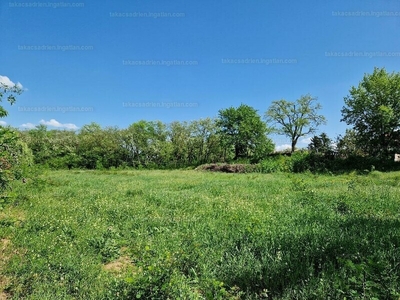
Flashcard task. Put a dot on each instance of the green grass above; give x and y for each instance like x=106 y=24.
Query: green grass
x=201 y=235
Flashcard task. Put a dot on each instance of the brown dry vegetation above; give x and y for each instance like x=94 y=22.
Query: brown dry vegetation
x=4 y=257
x=227 y=168
x=120 y=265
x=117 y=266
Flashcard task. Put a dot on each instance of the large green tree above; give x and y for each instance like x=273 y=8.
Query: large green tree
x=193 y=143
x=243 y=131
x=295 y=119
x=179 y=137
x=101 y=147
x=146 y=143
x=373 y=109
x=205 y=140
x=39 y=142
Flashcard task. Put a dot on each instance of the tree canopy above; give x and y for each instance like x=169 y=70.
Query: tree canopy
x=373 y=109
x=295 y=119
x=243 y=130
x=320 y=144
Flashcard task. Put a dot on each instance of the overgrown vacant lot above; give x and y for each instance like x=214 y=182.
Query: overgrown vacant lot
x=200 y=235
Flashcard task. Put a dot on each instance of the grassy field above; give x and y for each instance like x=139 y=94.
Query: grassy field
x=200 y=235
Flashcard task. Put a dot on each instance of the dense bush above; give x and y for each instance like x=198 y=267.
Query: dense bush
x=317 y=163
x=276 y=164
x=303 y=161
x=15 y=158
x=283 y=163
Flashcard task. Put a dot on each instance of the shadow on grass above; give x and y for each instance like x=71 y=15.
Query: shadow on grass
x=356 y=256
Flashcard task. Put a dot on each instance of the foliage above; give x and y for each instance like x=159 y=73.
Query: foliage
x=320 y=144
x=295 y=119
x=15 y=158
x=179 y=135
x=205 y=141
x=243 y=132
x=100 y=147
x=348 y=144
x=303 y=162
x=145 y=143
x=281 y=163
x=53 y=148
x=10 y=93
x=373 y=109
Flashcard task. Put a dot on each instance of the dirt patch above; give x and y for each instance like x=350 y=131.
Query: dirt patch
x=117 y=266
x=12 y=214
x=3 y=283
x=4 y=243
x=12 y=217
x=228 y=168
x=4 y=257
x=3 y=296
x=4 y=253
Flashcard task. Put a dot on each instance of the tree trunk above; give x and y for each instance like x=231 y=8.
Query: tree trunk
x=293 y=146
x=236 y=152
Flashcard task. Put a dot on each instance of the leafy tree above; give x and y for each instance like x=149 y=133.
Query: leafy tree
x=205 y=140
x=54 y=148
x=295 y=119
x=38 y=141
x=100 y=148
x=145 y=142
x=373 y=109
x=179 y=135
x=90 y=148
x=64 y=145
x=10 y=93
x=320 y=144
x=243 y=131
x=193 y=143
x=347 y=144
x=15 y=156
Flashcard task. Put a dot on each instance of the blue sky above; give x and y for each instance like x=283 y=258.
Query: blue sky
x=117 y=62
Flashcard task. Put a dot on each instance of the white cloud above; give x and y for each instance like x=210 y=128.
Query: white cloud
x=6 y=81
x=55 y=123
x=52 y=123
x=28 y=126
x=306 y=140
x=3 y=123
x=283 y=147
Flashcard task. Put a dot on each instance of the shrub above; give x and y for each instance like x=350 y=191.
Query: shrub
x=15 y=158
x=274 y=164
x=282 y=163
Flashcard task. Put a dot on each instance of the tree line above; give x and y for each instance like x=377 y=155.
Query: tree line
x=238 y=134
